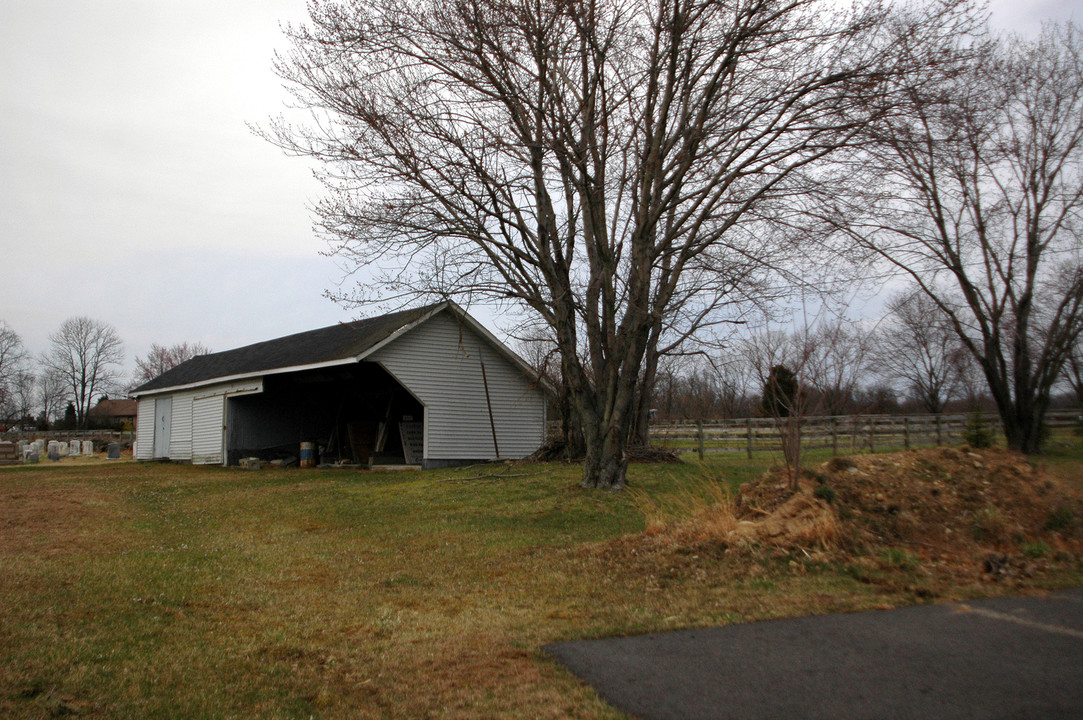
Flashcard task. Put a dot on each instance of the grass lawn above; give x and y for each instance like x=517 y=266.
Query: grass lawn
x=174 y=591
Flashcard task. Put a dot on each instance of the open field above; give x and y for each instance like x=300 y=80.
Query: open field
x=172 y=591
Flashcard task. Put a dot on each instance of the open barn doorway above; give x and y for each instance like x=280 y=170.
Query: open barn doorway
x=355 y=415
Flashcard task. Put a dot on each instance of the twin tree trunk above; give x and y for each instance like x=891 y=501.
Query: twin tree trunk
x=606 y=411
x=608 y=398
x=1023 y=416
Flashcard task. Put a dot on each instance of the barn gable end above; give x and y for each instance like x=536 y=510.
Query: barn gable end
x=440 y=362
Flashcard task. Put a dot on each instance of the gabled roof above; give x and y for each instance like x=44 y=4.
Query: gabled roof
x=338 y=344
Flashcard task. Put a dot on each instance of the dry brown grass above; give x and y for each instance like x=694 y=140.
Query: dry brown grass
x=48 y=520
x=174 y=592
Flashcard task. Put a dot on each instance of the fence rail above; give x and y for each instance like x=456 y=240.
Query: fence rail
x=844 y=433
x=841 y=433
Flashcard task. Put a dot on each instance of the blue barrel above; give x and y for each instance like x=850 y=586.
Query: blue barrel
x=308 y=454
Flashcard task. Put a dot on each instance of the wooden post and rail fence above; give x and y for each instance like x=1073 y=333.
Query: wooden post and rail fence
x=840 y=434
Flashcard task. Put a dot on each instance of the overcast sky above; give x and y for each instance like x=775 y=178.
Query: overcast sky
x=132 y=191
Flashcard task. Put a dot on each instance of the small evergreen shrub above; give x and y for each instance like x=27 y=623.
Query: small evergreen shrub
x=978 y=434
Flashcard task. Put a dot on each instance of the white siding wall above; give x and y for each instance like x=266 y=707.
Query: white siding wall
x=440 y=362
x=196 y=429
x=144 y=430
x=180 y=432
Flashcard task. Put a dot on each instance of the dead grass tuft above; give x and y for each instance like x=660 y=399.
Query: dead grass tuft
x=699 y=512
x=714 y=516
x=802 y=521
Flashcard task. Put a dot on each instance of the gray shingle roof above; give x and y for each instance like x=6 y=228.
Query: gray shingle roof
x=338 y=342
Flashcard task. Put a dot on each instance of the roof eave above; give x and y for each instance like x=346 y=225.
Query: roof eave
x=242 y=376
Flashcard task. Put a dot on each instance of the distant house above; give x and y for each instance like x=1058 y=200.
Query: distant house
x=114 y=413
x=429 y=386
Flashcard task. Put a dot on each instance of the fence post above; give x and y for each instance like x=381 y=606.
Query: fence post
x=939 y=431
x=872 y=430
x=834 y=436
x=906 y=432
x=699 y=438
x=748 y=436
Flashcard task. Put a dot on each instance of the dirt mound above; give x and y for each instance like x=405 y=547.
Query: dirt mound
x=948 y=508
x=948 y=500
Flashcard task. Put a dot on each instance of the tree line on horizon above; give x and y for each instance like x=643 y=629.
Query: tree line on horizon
x=906 y=362
x=83 y=365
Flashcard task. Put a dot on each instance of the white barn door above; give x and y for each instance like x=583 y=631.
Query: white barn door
x=163 y=420
x=208 y=415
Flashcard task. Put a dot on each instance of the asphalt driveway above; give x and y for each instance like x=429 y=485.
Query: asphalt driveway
x=996 y=658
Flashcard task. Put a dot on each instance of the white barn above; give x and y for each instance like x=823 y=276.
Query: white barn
x=429 y=386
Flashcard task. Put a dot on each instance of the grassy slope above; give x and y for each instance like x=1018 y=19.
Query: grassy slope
x=178 y=591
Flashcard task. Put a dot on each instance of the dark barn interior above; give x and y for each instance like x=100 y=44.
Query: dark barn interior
x=355 y=414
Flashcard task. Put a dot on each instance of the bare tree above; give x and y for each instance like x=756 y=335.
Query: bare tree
x=12 y=364
x=539 y=349
x=707 y=387
x=87 y=354
x=916 y=344
x=835 y=361
x=23 y=394
x=981 y=200
x=53 y=394
x=1074 y=371
x=602 y=163
x=764 y=348
x=161 y=358
x=735 y=382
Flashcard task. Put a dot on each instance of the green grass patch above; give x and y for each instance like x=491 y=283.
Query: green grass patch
x=172 y=591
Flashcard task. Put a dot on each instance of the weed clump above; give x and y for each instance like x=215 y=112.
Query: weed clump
x=1061 y=518
x=1034 y=550
x=900 y=558
x=840 y=464
x=989 y=525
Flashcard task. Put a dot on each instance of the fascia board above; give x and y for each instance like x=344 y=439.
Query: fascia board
x=244 y=376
